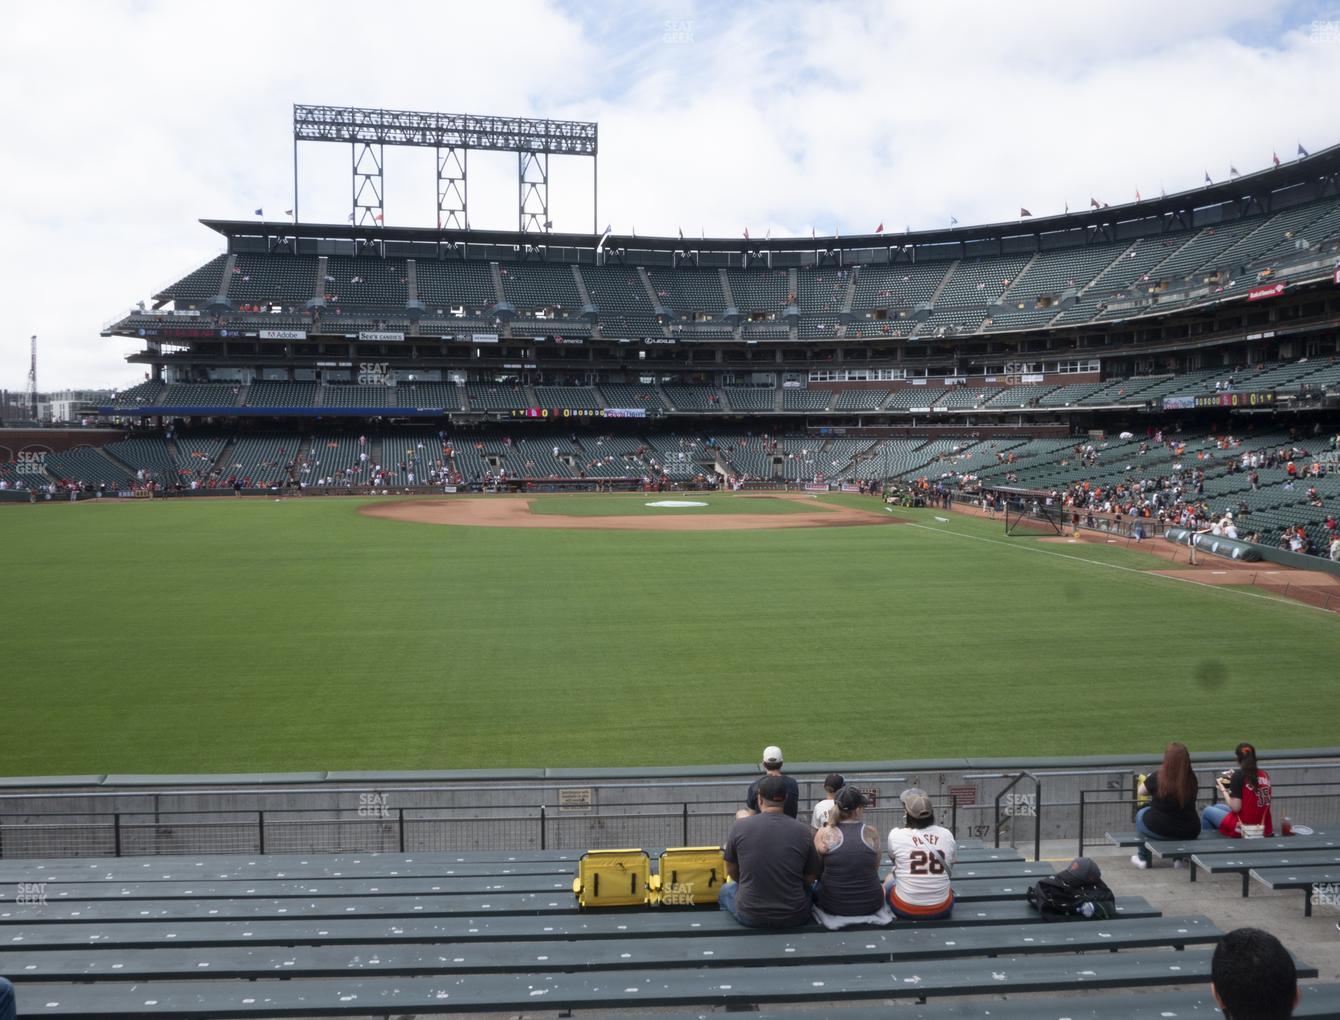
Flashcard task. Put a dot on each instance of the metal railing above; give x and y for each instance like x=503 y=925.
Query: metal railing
x=1303 y=803
x=568 y=816
x=374 y=830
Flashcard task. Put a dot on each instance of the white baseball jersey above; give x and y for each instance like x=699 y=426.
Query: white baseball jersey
x=820 y=815
x=922 y=860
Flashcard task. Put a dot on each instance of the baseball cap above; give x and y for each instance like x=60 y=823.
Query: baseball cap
x=772 y=788
x=849 y=798
x=917 y=803
x=834 y=781
x=772 y=755
x=1080 y=871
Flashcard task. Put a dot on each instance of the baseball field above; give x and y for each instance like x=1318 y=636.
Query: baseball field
x=256 y=635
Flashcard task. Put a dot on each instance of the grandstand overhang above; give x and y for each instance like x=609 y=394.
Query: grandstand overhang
x=1312 y=177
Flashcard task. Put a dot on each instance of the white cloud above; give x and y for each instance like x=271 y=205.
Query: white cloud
x=134 y=120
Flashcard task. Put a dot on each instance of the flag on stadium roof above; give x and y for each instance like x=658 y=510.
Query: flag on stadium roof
x=880 y=229
x=1137 y=194
x=351 y=217
x=1275 y=158
x=1301 y=151
x=953 y=221
x=288 y=212
x=746 y=233
x=260 y=212
x=1024 y=212
x=681 y=233
x=1207 y=178
x=377 y=217
x=1233 y=171
x=1093 y=203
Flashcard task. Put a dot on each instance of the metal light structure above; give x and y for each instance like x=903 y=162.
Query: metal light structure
x=32 y=377
x=453 y=136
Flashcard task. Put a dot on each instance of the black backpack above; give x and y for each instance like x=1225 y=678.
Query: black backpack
x=1056 y=900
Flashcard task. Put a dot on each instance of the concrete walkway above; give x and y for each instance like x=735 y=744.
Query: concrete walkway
x=1219 y=897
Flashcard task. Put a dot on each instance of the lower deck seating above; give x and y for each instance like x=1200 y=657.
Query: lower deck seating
x=377 y=934
x=1280 y=862
x=86 y=467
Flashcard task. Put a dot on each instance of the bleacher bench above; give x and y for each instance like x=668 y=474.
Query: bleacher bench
x=724 y=986
x=1307 y=879
x=1248 y=860
x=380 y=935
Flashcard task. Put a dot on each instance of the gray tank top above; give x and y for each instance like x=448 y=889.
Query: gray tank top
x=850 y=883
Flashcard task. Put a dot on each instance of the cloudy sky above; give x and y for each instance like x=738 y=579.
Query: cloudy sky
x=125 y=122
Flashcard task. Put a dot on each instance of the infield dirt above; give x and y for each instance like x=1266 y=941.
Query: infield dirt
x=514 y=512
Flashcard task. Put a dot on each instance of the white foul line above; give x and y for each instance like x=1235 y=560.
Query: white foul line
x=1235 y=589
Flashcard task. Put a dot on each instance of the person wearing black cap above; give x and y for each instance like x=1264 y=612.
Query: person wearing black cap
x=772 y=863
x=772 y=765
x=1253 y=977
x=832 y=784
x=850 y=851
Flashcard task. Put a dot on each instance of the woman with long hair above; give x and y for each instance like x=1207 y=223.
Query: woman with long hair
x=849 y=846
x=1171 y=811
x=1246 y=795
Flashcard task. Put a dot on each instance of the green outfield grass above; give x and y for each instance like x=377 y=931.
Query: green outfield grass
x=255 y=635
x=635 y=504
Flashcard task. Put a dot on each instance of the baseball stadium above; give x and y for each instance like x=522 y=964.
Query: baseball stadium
x=428 y=564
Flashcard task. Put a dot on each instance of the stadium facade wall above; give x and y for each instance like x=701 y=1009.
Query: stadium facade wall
x=15 y=441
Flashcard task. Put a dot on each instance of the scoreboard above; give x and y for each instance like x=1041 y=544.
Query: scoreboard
x=549 y=413
x=1249 y=398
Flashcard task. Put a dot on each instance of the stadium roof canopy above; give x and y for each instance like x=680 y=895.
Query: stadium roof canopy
x=1265 y=191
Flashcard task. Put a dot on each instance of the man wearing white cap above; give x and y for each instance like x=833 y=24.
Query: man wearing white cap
x=1226 y=527
x=772 y=765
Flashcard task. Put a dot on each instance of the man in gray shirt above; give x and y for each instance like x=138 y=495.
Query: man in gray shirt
x=772 y=860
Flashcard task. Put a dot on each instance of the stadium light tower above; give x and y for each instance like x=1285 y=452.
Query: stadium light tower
x=453 y=136
x=32 y=376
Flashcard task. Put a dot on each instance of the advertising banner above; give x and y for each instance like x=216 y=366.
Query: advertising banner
x=1270 y=291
